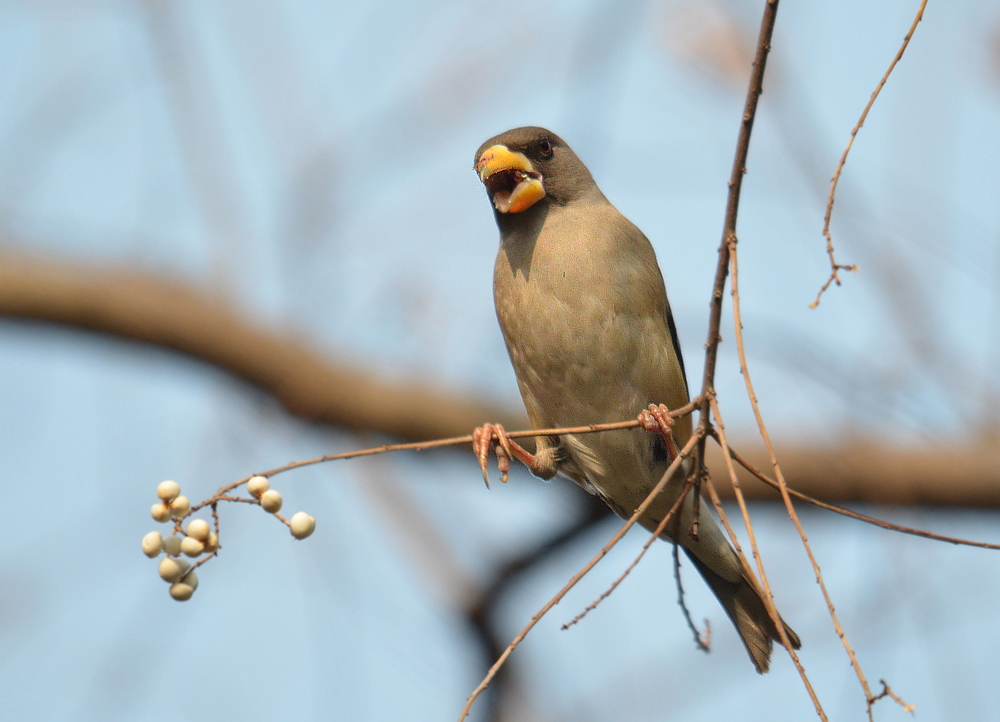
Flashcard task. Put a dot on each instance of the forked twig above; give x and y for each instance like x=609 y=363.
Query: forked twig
x=702 y=642
x=835 y=267
x=887 y=692
x=642 y=552
x=732 y=209
x=423 y=445
x=707 y=395
x=767 y=596
x=854 y=514
x=684 y=453
x=738 y=324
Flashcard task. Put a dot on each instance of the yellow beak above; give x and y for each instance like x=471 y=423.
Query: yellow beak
x=510 y=179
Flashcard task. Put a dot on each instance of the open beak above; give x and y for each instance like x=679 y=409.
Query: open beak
x=510 y=179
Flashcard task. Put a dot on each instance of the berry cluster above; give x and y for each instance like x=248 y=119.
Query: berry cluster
x=199 y=538
x=301 y=524
x=196 y=540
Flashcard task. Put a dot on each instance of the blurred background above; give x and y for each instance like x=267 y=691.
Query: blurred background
x=304 y=170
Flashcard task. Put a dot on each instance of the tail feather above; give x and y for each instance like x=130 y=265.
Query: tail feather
x=745 y=607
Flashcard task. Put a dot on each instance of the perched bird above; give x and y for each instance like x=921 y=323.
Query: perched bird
x=584 y=312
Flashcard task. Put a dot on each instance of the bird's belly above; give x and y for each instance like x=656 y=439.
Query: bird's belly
x=573 y=354
x=589 y=344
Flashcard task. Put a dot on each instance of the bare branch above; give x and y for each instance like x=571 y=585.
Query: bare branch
x=701 y=641
x=738 y=323
x=834 y=266
x=856 y=515
x=767 y=596
x=887 y=692
x=685 y=452
x=177 y=316
x=642 y=552
x=858 y=470
x=733 y=203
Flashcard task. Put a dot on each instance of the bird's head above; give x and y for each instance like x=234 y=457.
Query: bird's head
x=526 y=166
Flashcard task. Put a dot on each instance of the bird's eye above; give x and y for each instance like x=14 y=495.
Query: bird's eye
x=545 y=148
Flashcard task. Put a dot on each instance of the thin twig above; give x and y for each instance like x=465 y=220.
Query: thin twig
x=854 y=514
x=226 y=497
x=201 y=561
x=483 y=611
x=738 y=324
x=756 y=87
x=717 y=503
x=432 y=444
x=887 y=692
x=834 y=266
x=698 y=473
x=704 y=644
x=695 y=438
x=733 y=204
x=768 y=595
x=642 y=552
x=722 y=270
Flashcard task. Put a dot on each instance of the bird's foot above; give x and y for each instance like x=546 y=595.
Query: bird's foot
x=493 y=436
x=657 y=418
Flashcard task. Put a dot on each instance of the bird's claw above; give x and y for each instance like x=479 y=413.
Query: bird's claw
x=492 y=436
x=657 y=418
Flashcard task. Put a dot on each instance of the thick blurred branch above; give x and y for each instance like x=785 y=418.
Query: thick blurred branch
x=963 y=474
x=175 y=315
x=178 y=316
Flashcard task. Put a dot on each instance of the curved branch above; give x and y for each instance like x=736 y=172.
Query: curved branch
x=733 y=205
x=956 y=475
x=177 y=316
x=835 y=267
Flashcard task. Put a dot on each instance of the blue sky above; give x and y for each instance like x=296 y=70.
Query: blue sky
x=311 y=162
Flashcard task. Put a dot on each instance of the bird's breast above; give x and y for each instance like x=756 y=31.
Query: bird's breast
x=568 y=314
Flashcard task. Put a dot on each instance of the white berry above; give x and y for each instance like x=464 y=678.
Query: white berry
x=302 y=525
x=191 y=546
x=191 y=579
x=257 y=486
x=171 y=569
x=270 y=500
x=160 y=512
x=212 y=543
x=180 y=507
x=181 y=591
x=168 y=490
x=198 y=528
x=152 y=544
x=172 y=545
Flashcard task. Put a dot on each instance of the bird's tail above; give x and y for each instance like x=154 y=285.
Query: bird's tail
x=745 y=606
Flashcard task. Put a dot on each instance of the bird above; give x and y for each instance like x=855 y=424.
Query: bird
x=583 y=309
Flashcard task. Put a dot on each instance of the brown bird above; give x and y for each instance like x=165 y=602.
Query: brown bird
x=583 y=309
